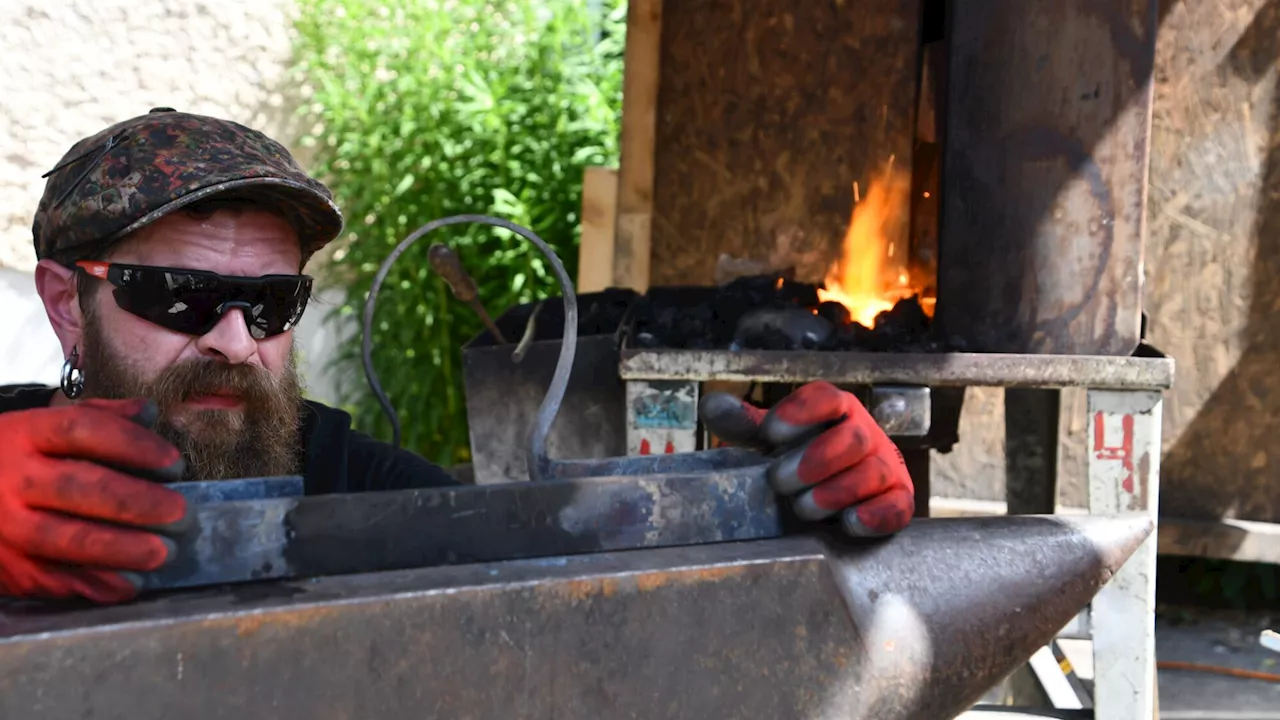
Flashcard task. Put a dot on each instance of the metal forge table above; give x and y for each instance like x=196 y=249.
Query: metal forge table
x=1124 y=415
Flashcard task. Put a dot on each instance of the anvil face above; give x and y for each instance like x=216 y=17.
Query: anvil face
x=917 y=626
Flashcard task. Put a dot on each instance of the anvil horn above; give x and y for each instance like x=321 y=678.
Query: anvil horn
x=945 y=612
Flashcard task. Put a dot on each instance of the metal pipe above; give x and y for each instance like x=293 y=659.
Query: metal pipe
x=539 y=464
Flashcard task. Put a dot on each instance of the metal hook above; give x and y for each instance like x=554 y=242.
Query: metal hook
x=539 y=463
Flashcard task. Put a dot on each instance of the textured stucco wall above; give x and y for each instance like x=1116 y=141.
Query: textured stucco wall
x=72 y=67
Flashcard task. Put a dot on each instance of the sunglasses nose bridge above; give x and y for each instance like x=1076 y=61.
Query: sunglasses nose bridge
x=231 y=304
x=246 y=310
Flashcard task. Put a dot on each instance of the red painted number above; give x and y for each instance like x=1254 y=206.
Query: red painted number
x=1122 y=452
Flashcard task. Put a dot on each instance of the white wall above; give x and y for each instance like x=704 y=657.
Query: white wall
x=69 y=68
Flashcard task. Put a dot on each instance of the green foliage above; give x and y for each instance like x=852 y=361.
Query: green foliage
x=1233 y=584
x=1217 y=584
x=429 y=108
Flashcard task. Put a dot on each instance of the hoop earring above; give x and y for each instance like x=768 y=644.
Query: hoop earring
x=72 y=377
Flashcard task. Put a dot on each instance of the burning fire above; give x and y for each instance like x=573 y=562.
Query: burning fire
x=873 y=272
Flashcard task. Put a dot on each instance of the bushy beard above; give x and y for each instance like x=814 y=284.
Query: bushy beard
x=260 y=439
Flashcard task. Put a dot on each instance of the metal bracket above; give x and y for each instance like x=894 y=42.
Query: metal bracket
x=902 y=410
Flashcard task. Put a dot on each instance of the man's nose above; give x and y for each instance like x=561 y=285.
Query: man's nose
x=229 y=340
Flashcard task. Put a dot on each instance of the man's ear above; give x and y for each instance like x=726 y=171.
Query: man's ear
x=57 y=288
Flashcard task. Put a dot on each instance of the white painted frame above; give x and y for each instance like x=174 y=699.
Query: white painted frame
x=1124 y=477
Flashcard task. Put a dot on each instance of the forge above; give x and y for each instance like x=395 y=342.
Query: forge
x=906 y=198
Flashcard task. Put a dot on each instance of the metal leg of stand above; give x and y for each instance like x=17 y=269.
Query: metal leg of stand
x=917 y=460
x=1031 y=488
x=1031 y=450
x=1124 y=477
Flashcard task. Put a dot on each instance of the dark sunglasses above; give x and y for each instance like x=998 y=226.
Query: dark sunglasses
x=193 y=301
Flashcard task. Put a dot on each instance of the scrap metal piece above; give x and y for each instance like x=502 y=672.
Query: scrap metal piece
x=900 y=410
x=593 y=506
x=1270 y=640
x=916 y=627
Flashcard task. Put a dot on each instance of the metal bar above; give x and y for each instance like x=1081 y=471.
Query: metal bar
x=1124 y=477
x=935 y=370
x=816 y=626
x=1054 y=681
x=1078 y=686
x=212 y=491
x=370 y=532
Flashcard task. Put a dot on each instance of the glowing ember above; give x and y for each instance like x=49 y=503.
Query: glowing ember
x=873 y=272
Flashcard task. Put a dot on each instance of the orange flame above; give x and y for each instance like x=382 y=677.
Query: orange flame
x=873 y=272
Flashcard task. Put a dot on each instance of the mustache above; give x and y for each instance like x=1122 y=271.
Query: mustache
x=252 y=384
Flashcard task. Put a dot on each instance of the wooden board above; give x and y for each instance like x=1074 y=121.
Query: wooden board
x=1238 y=540
x=1214 y=256
x=599 y=216
x=768 y=112
x=632 y=251
x=1046 y=148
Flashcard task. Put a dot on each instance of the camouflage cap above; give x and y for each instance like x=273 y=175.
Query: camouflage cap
x=140 y=170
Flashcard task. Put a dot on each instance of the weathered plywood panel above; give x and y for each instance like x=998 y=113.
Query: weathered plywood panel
x=1048 y=114
x=1214 y=256
x=768 y=112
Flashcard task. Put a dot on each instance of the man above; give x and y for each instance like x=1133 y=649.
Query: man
x=170 y=249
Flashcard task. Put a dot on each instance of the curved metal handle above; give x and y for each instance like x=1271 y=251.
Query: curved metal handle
x=539 y=463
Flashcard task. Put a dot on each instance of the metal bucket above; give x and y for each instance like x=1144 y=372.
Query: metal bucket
x=503 y=395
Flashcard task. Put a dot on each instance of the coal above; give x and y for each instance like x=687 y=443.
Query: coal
x=773 y=312
x=788 y=328
x=835 y=313
x=599 y=313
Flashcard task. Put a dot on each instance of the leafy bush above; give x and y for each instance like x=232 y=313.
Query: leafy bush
x=429 y=108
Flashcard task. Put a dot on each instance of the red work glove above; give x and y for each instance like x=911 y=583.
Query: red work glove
x=852 y=467
x=56 y=500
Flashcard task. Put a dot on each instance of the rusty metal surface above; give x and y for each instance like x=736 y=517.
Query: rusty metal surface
x=1048 y=120
x=915 y=627
x=935 y=370
x=592 y=506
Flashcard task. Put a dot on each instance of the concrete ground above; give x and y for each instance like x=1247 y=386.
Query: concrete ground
x=1219 y=640
x=1223 y=640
